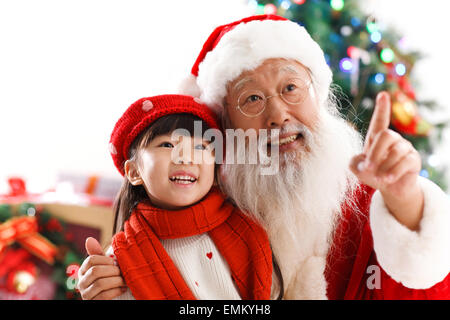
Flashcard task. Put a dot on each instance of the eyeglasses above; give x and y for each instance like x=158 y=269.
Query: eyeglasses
x=253 y=102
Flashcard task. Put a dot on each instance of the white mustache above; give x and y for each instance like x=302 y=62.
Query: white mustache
x=274 y=134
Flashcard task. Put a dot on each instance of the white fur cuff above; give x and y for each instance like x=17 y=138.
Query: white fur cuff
x=417 y=259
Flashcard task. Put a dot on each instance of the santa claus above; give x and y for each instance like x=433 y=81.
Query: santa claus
x=347 y=218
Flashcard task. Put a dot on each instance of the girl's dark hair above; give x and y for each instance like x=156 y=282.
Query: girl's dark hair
x=129 y=196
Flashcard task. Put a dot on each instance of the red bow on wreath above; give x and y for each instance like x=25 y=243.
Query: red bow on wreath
x=24 y=230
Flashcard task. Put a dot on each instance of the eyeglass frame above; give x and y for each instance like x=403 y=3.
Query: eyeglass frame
x=238 y=107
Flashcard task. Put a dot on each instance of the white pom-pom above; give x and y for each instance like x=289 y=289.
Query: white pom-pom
x=188 y=86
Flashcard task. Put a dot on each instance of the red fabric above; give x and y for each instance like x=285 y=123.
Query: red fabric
x=142 y=113
x=151 y=274
x=348 y=261
x=220 y=31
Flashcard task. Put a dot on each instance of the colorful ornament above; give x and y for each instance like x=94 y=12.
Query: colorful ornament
x=20 y=271
x=23 y=279
x=405 y=117
x=12 y=258
x=406 y=87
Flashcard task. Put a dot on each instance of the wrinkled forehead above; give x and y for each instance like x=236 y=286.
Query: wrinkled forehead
x=271 y=69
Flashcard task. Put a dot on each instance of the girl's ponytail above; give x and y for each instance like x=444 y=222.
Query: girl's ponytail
x=127 y=198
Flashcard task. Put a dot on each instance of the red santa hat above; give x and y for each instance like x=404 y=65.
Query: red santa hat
x=245 y=44
x=142 y=113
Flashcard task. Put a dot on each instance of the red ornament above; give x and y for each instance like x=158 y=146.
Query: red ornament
x=21 y=277
x=12 y=258
x=405 y=116
x=54 y=225
x=406 y=87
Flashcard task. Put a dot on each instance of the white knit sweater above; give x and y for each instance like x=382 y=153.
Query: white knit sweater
x=201 y=265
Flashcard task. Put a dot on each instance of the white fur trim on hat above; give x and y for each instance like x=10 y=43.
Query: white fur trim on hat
x=419 y=259
x=248 y=45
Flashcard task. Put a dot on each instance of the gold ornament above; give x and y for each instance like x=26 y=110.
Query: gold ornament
x=23 y=280
x=404 y=109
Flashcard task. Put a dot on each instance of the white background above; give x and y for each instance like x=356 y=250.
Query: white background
x=68 y=69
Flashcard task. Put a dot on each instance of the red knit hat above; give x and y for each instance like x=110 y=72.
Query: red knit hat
x=142 y=113
x=245 y=44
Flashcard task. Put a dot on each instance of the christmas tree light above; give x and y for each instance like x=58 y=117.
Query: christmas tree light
x=270 y=9
x=379 y=78
x=337 y=5
x=387 y=55
x=375 y=37
x=346 y=65
x=400 y=69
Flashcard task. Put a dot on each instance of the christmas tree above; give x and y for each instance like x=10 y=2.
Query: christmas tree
x=366 y=59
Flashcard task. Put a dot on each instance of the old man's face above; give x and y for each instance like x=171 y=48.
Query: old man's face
x=276 y=95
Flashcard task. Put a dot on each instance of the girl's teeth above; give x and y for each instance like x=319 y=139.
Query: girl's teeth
x=183 y=179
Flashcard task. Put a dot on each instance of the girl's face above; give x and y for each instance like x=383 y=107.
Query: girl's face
x=176 y=171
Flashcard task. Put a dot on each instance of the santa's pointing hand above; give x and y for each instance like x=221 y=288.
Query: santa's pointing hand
x=390 y=164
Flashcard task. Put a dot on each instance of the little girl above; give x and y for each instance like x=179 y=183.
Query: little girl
x=177 y=237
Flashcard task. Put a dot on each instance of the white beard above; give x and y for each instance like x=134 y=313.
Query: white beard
x=299 y=206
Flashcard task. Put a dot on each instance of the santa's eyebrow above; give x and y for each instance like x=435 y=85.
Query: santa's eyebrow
x=241 y=83
x=295 y=71
x=290 y=69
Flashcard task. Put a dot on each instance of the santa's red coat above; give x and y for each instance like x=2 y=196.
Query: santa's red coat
x=352 y=263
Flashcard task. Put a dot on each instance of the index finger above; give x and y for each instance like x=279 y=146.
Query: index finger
x=380 y=119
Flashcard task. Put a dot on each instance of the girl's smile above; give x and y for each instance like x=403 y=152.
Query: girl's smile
x=183 y=179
